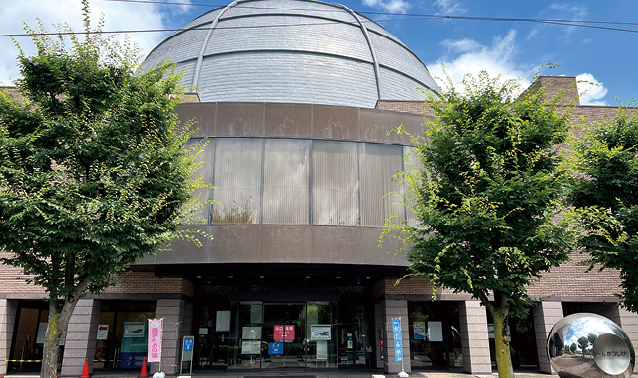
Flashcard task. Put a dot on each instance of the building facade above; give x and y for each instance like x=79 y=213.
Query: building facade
x=295 y=102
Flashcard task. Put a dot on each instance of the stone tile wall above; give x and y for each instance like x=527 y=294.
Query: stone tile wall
x=81 y=337
x=474 y=339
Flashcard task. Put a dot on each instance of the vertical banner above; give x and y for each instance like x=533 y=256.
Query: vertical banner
x=154 y=340
x=398 y=342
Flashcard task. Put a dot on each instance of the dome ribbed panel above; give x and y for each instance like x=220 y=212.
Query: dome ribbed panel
x=327 y=37
x=287 y=77
x=186 y=69
x=400 y=87
x=308 y=8
x=255 y=54
x=373 y=26
x=181 y=47
x=396 y=56
x=203 y=19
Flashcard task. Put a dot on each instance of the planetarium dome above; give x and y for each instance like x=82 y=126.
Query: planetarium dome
x=293 y=51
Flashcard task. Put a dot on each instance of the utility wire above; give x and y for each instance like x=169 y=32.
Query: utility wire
x=412 y=17
x=421 y=16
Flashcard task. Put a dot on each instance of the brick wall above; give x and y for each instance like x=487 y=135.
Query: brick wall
x=13 y=281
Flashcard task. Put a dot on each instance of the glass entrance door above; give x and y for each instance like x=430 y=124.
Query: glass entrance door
x=284 y=336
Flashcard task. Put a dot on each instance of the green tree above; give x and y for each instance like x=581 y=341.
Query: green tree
x=591 y=337
x=573 y=347
x=583 y=343
x=606 y=192
x=486 y=196
x=93 y=170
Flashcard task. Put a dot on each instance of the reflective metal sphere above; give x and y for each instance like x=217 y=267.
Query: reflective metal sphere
x=590 y=346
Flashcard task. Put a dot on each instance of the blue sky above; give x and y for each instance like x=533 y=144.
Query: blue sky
x=512 y=49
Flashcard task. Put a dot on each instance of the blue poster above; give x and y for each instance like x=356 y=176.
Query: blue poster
x=275 y=348
x=398 y=343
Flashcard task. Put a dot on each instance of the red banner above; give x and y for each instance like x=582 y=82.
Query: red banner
x=284 y=332
x=154 y=340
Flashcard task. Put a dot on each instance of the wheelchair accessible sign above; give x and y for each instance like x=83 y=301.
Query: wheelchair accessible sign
x=398 y=342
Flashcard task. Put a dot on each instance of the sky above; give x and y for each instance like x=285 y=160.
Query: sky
x=513 y=49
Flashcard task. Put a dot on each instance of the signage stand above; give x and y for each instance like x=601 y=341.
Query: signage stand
x=398 y=345
x=187 y=354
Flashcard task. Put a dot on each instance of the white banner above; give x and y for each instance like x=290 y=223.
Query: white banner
x=154 y=340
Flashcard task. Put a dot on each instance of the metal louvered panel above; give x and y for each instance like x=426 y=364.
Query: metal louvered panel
x=335 y=187
x=378 y=164
x=286 y=193
x=237 y=181
x=204 y=159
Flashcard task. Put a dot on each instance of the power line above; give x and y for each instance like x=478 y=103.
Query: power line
x=421 y=16
x=412 y=17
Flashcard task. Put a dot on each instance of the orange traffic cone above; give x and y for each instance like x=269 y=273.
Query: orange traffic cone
x=85 y=371
x=144 y=373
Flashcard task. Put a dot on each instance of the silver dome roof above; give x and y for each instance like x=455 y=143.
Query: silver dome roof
x=293 y=51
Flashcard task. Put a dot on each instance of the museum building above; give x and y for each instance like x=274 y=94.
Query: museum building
x=294 y=100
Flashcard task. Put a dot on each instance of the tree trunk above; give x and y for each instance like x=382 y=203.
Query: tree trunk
x=58 y=322
x=502 y=346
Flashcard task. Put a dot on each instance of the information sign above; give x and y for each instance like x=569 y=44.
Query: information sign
x=284 y=332
x=419 y=330
x=398 y=342
x=322 y=350
x=320 y=332
x=134 y=329
x=103 y=332
x=250 y=347
x=187 y=348
x=275 y=348
x=251 y=333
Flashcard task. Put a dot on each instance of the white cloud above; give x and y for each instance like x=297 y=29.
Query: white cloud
x=468 y=56
x=392 y=6
x=118 y=16
x=449 y=7
x=590 y=90
x=559 y=12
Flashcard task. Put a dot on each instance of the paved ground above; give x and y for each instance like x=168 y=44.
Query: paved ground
x=331 y=374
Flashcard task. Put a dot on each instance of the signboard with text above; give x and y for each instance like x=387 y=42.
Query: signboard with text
x=398 y=342
x=187 y=348
x=284 y=332
x=154 y=340
x=102 y=331
x=320 y=332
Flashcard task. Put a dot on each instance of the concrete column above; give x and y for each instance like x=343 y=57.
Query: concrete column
x=172 y=311
x=474 y=339
x=546 y=315
x=81 y=337
x=628 y=321
x=394 y=309
x=7 y=320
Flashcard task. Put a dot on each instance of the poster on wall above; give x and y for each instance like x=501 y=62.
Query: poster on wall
x=250 y=347
x=42 y=332
x=320 y=332
x=435 y=331
x=134 y=329
x=223 y=321
x=251 y=333
x=255 y=313
x=419 y=330
x=102 y=331
x=322 y=350
x=154 y=340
